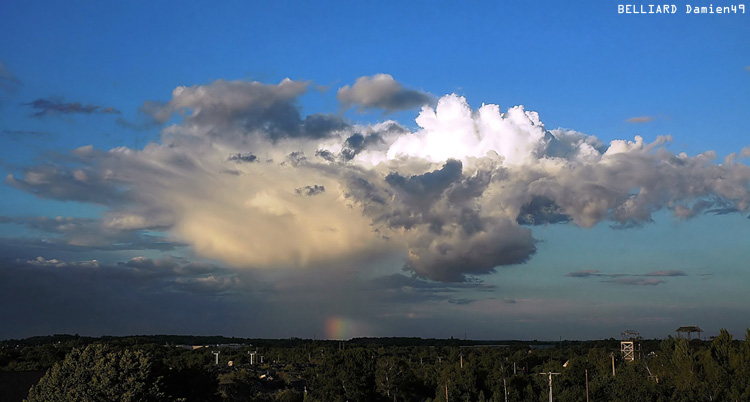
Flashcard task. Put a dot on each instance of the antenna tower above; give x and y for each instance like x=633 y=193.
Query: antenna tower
x=627 y=344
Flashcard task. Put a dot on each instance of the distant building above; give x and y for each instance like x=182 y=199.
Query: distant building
x=689 y=329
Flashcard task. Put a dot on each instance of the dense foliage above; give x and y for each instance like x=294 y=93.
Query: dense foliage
x=98 y=374
x=398 y=369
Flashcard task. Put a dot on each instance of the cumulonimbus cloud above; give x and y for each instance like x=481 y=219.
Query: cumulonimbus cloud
x=244 y=178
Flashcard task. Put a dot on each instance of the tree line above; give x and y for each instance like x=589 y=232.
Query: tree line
x=295 y=370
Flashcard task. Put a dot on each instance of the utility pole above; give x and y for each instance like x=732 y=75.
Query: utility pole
x=613 y=364
x=550 y=374
x=505 y=388
x=587 y=385
x=217 y=357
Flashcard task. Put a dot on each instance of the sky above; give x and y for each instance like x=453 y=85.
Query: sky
x=330 y=170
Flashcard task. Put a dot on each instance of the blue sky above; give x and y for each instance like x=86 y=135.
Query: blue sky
x=415 y=206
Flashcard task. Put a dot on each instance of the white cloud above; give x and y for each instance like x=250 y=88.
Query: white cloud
x=453 y=131
x=381 y=91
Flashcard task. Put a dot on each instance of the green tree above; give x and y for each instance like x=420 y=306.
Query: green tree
x=288 y=395
x=460 y=382
x=601 y=381
x=717 y=371
x=98 y=374
x=740 y=362
x=347 y=375
x=684 y=376
x=238 y=386
x=395 y=379
x=632 y=384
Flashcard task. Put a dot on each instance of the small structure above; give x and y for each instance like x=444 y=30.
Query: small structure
x=627 y=344
x=689 y=329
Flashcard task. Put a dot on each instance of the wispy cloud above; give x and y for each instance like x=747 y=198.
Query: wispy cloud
x=647 y=279
x=706 y=277
x=8 y=80
x=668 y=272
x=584 y=274
x=43 y=262
x=165 y=274
x=18 y=135
x=112 y=233
x=45 y=107
x=637 y=281
x=461 y=301
x=402 y=289
x=640 y=119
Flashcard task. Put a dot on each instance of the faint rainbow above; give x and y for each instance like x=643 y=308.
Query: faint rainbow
x=337 y=328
